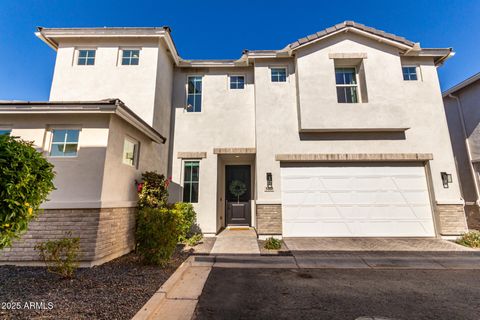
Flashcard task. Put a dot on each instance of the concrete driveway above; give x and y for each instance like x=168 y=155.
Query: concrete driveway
x=372 y=244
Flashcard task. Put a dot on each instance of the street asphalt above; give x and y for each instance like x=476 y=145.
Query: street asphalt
x=252 y=293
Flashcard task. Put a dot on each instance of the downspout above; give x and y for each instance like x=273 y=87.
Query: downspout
x=467 y=145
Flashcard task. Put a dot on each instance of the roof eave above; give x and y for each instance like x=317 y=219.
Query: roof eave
x=49 y=35
x=112 y=106
x=461 y=85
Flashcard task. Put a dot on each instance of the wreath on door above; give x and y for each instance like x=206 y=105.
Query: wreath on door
x=237 y=188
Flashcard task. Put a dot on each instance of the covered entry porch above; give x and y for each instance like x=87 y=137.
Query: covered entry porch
x=235 y=187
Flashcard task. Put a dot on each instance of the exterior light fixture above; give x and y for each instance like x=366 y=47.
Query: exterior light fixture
x=446 y=179
x=269 y=182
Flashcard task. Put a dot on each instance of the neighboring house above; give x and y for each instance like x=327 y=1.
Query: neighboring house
x=462 y=107
x=339 y=134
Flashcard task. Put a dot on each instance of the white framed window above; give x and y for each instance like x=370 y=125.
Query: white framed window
x=278 y=74
x=130 y=152
x=347 y=85
x=191 y=180
x=410 y=73
x=237 y=82
x=194 y=93
x=64 y=143
x=130 y=57
x=86 y=57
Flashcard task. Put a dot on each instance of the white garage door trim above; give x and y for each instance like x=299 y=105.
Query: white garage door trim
x=356 y=200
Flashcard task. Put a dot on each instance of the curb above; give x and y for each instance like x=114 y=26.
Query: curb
x=177 y=298
x=148 y=310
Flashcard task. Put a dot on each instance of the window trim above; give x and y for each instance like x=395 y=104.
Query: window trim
x=50 y=139
x=136 y=155
x=186 y=93
x=120 y=56
x=184 y=161
x=357 y=84
x=237 y=75
x=287 y=79
x=77 y=54
x=417 y=71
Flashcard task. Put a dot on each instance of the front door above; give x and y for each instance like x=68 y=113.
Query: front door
x=238 y=195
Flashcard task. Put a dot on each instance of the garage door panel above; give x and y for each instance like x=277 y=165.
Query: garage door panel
x=366 y=201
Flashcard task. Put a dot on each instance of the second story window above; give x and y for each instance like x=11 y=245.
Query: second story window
x=194 y=94
x=347 y=87
x=64 y=143
x=130 y=57
x=130 y=152
x=278 y=74
x=237 y=82
x=86 y=57
x=409 y=73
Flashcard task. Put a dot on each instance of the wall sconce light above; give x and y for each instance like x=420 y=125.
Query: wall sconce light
x=269 y=182
x=446 y=179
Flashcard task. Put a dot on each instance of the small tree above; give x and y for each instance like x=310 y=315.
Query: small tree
x=26 y=179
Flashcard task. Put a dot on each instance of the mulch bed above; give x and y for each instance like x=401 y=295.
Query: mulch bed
x=114 y=290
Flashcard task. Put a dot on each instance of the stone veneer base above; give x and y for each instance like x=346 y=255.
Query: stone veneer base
x=105 y=234
x=472 y=213
x=269 y=219
x=451 y=219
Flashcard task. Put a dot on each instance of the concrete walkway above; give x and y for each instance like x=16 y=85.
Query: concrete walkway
x=236 y=241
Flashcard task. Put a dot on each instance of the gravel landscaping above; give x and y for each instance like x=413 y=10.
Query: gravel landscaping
x=115 y=290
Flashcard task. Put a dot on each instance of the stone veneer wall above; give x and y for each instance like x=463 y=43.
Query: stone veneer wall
x=473 y=216
x=105 y=234
x=451 y=219
x=269 y=219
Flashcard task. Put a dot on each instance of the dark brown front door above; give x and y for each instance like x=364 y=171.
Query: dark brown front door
x=238 y=195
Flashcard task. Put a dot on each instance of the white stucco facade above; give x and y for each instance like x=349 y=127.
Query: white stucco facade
x=264 y=126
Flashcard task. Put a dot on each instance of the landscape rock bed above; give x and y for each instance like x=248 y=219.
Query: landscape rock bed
x=114 y=290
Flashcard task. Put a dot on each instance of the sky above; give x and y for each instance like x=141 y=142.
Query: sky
x=222 y=29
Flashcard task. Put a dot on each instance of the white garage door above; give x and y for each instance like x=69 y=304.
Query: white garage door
x=356 y=201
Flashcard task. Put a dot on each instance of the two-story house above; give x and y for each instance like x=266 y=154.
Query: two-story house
x=339 y=134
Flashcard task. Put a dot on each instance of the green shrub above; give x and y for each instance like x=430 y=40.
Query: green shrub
x=273 y=244
x=152 y=192
x=186 y=219
x=157 y=234
x=25 y=182
x=60 y=256
x=194 y=240
x=470 y=239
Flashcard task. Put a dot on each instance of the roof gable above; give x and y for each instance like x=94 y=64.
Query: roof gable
x=355 y=27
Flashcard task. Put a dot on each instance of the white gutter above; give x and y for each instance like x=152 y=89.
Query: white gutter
x=467 y=145
x=49 y=43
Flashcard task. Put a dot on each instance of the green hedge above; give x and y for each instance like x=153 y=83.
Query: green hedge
x=186 y=219
x=25 y=182
x=157 y=234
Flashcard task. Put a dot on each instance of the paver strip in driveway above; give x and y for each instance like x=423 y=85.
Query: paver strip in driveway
x=372 y=244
